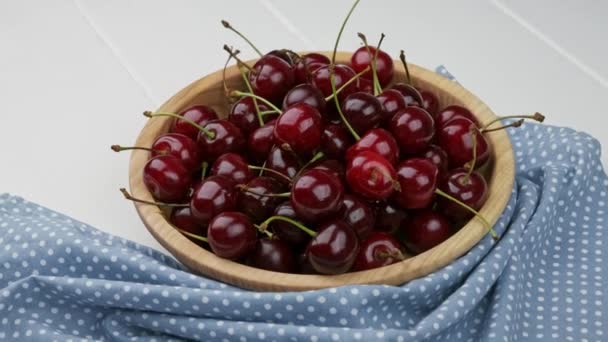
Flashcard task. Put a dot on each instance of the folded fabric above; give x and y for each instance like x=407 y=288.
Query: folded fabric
x=61 y=279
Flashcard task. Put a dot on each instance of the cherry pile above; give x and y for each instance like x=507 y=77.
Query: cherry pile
x=321 y=167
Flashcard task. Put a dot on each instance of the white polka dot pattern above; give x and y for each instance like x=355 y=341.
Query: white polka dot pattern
x=544 y=280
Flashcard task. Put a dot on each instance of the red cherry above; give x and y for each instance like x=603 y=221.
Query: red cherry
x=418 y=180
x=215 y=195
x=413 y=129
x=451 y=112
x=273 y=255
x=244 y=116
x=430 y=102
x=365 y=86
x=362 y=110
x=471 y=190
x=316 y=195
x=362 y=59
x=336 y=139
x=426 y=230
x=389 y=217
x=199 y=114
x=253 y=200
x=282 y=54
x=233 y=166
x=392 y=101
x=308 y=64
x=260 y=142
x=342 y=73
x=332 y=166
x=271 y=78
x=438 y=157
x=334 y=249
x=166 y=178
x=180 y=146
x=299 y=129
x=285 y=231
x=377 y=250
x=377 y=140
x=410 y=94
x=283 y=162
x=305 y=93
x=183 y=219
x=357 y=214
x=226 y=138
x=231 y=235
x=370 y=175
x=456 y=139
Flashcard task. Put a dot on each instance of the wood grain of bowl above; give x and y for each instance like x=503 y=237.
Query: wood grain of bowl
x=208 y=91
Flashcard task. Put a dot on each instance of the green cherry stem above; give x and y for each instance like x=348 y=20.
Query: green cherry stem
x=204 y=168
x=208 y=133
x=238 y=60
x=474 y=160
x=333 y=56
x=226 y=90
x=268 y=112
x=347 y=83
x=244 y=188
x=513 y=124
x=477 y=214
x=255 y=101
x=228 y=26
x=264 y=169
x=375 y=81
x=536 y=117
x=118 y=148
x=194 y=236
x=266 y=102
x=314 y=158
x=264 y=225
x=160 y=204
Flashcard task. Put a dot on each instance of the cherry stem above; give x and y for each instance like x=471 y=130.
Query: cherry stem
x=255 y=101
x=226 y=91
x=375 y=82
x=238 y=60
x=208 y=133
x=194 y=236
x=263 y=169
x=347 y=83
x=396 y=254
x=160 y=204
x=264 y=225
x=244 y=188
x=264 y=230
x=407 y=70
x=204 y=168
x=314 y=158
x=118 y=148
x=268 y=112
x=333 y=57
x=513 y=124
x=266 y=102
x=474 y=160
x=536 y=117
x=228 y=26
x=264 y=166
x=477 y=214
x=379 y=90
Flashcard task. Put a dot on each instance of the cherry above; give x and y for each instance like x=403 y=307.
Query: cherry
x=332 y=166
x=283 y=54
x=335 y=140
x=167 y=178
x=438 y=157
x=307 y=65
x=233 y=166
x=254 y=199
x=273 y=255
x=413 y=129
x=286 y=231
x=392 y=101
x=365 y=86
x=243 y=114
x=231 y=235
x=342 y=73
x=316 y=194
x=271 y=78
x=418 y=180
x=362 y=110
x=389 y=217
x=357 y=214
x=377 y=250
x=468 y=187
x=215 y=194
x=450 y=112
x=377 y=140
x=183 y=219
x=411 y=96
x=305 y=265
x=260 y=142
x=225 y=137
x=199 y=114
x=299 y=129
x=371 y=176
x=305 y=93
x=430 y=102
x=283 y=162
x=334 y=249
x=456 y=138
x=426 y=230
x=362 y=58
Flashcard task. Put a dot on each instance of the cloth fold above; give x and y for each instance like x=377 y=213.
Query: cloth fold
x=545 y=278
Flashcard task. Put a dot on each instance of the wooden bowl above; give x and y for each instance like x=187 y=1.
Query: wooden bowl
x=208 y=91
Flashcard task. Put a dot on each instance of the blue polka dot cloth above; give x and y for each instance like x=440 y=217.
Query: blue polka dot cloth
x=545 y=279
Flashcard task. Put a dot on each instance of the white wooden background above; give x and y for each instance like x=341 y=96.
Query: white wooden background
x=76 y=75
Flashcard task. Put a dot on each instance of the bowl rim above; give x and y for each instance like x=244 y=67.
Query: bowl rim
x=204 y=262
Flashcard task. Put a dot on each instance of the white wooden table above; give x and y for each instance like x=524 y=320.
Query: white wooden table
x=76 y=75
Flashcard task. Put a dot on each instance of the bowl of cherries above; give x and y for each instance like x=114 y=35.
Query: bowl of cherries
x=299 y=171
